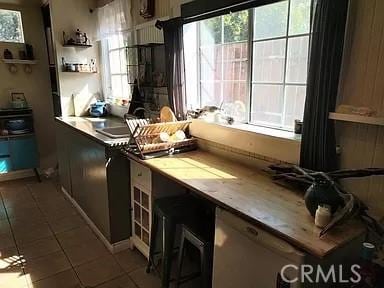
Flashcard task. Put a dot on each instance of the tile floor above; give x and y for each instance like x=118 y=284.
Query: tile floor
x=44 y=243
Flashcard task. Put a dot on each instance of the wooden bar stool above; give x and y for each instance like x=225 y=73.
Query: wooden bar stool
x=171 y=211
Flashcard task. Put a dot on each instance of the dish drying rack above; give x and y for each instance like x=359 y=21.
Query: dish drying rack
x=144 y=133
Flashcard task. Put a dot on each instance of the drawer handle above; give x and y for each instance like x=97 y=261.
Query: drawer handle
x=252 y=231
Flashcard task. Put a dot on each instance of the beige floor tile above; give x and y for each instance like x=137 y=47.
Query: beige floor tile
x=28 y=219
x=32 y=233
x=65 y=279
x=77 y=236
x=86 y=252
x=32 y=221
x=23 y=210
x=121 y=282
x=61 y=211
x=19 y=182
x=144 y=280
x=5 y=228
x=46 y=266
x=3 y=214
x=23 y=202
x=66 y=223
x=45 y=189
x=16 y=195
x=130 y=260
x=56 y=204
x=49 y=205
x=98 y=271
x=39 y=248
x=6 y=241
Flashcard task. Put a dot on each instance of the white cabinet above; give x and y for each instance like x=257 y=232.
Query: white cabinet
x=248 y=257
x=141 y=197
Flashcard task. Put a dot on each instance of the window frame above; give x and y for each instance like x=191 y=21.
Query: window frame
x=250 y=82
x=19 y=12
x=284 y=83
x=107 y=82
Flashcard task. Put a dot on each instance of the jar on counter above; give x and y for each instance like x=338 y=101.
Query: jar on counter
x=323 y=216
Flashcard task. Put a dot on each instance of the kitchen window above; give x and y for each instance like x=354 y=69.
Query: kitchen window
x=11 y=26
x=252 y=63
x=115 y=68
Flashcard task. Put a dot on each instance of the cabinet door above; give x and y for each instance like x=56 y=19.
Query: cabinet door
x=95 y=188
x=141 y=217
x=63 y=143
x=89 y=180
x=23 y=151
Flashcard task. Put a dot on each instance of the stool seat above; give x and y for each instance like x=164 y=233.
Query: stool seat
x=176 y=206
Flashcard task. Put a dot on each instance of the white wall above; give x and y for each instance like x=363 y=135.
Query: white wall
x=362 y=84
x=68 y=16
x=36 y=85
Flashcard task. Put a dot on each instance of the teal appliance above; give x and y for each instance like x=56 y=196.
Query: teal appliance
x=98 y=109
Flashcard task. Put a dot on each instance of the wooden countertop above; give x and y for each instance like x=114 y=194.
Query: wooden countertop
x=252 y=195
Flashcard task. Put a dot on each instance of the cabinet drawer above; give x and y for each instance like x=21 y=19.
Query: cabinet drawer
x=140 y=175
x=4 y=147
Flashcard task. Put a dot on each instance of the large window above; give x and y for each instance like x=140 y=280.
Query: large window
x=252 y=63
x=115 y=68
x=11 y=27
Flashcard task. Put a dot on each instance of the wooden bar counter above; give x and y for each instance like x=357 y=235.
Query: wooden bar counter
x=253 y=196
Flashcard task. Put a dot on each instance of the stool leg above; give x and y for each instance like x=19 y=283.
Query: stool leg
x=169 y=230
x=152 y=245
x=180 y=259
x=205 y=266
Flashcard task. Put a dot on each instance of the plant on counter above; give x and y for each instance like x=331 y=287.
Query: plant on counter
x=323 y=188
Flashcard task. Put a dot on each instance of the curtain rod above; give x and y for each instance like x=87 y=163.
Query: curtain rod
x=241 y=5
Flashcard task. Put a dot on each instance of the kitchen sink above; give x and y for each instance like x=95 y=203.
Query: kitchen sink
x=115 y=132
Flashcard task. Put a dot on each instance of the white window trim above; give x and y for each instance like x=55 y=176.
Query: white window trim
x=259 y=127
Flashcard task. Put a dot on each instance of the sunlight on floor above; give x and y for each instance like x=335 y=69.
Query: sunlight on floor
x=9 y=262
x=13 y=280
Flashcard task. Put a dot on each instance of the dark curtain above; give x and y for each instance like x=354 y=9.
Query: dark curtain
x=318 y=145
x=174 y=59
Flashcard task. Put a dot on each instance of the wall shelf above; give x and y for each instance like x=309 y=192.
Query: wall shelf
x=78 y=45
x=357 y=118
x=10 y=136
x=81 y=72
x=19 y=61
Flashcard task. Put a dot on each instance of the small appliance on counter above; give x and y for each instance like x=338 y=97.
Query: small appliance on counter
x=18 y=100
x=98 y=109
